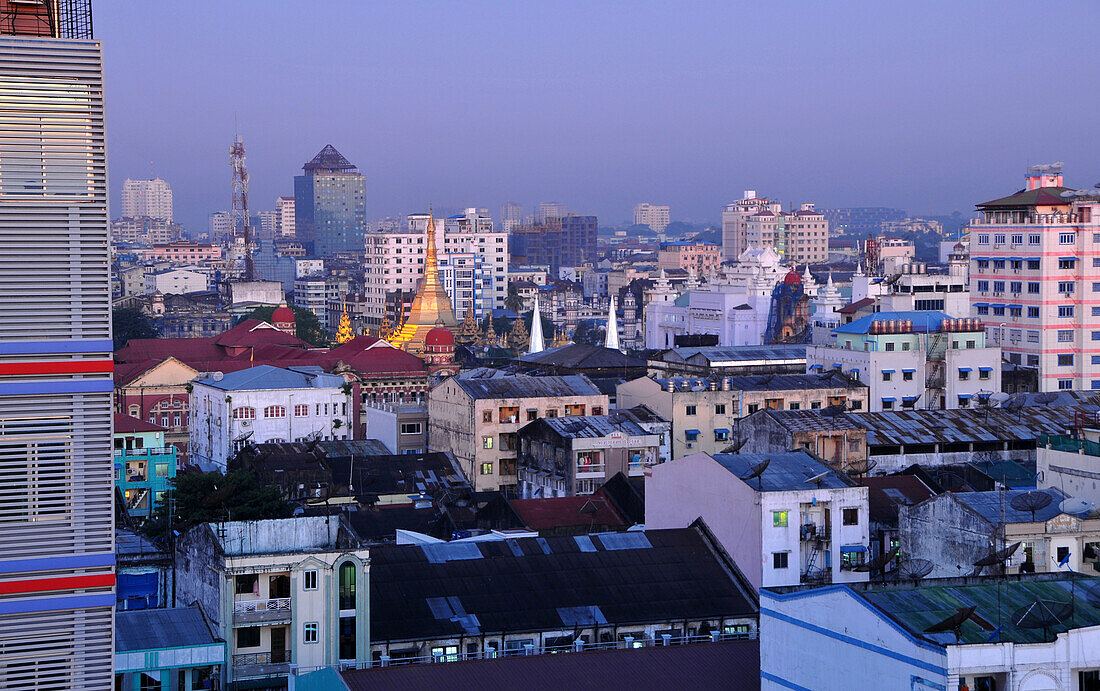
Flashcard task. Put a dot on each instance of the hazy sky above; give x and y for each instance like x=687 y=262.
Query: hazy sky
x=926 y=106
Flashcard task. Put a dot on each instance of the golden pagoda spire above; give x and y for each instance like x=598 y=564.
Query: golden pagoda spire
x=344 y=332
x=431 y=307
x=519 y=335
x=469 y=331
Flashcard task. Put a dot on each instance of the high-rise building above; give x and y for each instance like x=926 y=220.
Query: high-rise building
x=221 y=225
x=652 y=215
x=511 y=216
x=1034 y=274
x=56 y=502
x=798 y=237
x=549 y=210
x=565 y=241
x=330 y=205
x=284 y=208
x=150 y=198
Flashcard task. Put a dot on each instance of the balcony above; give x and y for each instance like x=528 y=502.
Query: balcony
x=151 y=451
x=261 y=664
x=252 y=612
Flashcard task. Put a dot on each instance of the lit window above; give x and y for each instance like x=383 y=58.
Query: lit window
x=487 y=442
x=779 y=519
x=486 y=468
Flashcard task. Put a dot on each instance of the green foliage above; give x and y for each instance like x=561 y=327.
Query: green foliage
x=589 y=333
x=131 y=323
x=513 y=301
x=306 y=325
x=202 y=497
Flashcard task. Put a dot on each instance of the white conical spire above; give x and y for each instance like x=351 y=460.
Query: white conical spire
x=807 y=277
x=537 y=345
x=611 y=340
x=859 y=269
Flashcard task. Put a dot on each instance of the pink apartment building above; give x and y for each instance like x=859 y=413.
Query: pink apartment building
x=704 y=257
x=184 y=252
x=1035 y=279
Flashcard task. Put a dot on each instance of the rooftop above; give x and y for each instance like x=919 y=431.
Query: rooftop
x=484 y=382
x=582 y=356
x=540 y=584
x=157 y=629
x=1040 y=196
x=700 y=667
x=924 y=321
x=719 y=356
x=329 y=160
x=277 y=535
x=124 y=424
x=594 y=426
x=268 y=377
x=886 y=493
x=996 y=507
x=810 y=420
x=785 y=472
x=763 y=382
x=894 y=428
x=546 y=513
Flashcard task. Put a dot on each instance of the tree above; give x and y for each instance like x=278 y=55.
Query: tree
x=128 y=323
x=587 y=332
x=306 y=326
x=204 y=497
x=513 y=301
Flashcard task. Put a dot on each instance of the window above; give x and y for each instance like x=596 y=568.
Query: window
x=779 y=519
x=1033 y=312
x=984 y=373
x=1033 y=287
x=998 y=310
x=983 y=239
x=983 y=263
x=998 y=263
x=486 y=416
x=1067 y=238
x=1018 y=239
x=1065 y=310
x=244 y=413
x=487 y=442
x=1065 y=360
x=1033 y=239
x=301 y=410
x=1033 y=264
x=689 y=410
x=887 y=376
x=486 y=468
x=1065 y=336
x=889 y=345
x=907 y=376
x=508 y=414
x=246 y=584
x=309 y=580
x=719 y=408
x=850 y=516
x=347 y=585
x=1032 y=360
x=551 y=412
x=574 y=410
x=887 y=404
x=998 y=286
x=248 y=637
x=779 y=560
x=753 y=407
x=983 y=285
x=850 y=560
x=999 y=239
x=411 y=428
x=1065 y=286
x=309 y=632
x=532 y=414
x=1015 y=311
x=1066 y=263
x=982 y=309
x=1065 y=384
x=275 y=411
x=445 y=653
x=857 y=405
x=1015 y=287
x=597 y=410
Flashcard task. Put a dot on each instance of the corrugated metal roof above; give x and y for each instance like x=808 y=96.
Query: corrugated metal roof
x=923 y=321
x=764 y=382
x=721 y=355
x=811 y=420
x=786 y=471
x=996 y=507
x=593 y=426
x=156 y=629
x=269 y=377
x=964 y=425
x=484 y=382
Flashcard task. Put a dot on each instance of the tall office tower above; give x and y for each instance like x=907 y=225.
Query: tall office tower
x=330 y=205
x=549 y=210
x=1034 y=275
x=653 y=215
x=284 y=208
x=565 y=241
x=151 y=198
x=511 y=216
x=56 y=529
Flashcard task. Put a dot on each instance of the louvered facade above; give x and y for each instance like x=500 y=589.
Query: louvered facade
x=56 y=529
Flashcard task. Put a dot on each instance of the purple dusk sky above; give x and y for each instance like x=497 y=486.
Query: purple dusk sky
x=926 y=106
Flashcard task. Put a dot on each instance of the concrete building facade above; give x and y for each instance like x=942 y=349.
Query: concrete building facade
x=149 y=198
x=656 y=216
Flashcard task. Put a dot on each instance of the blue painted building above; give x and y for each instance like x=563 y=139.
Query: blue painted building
x=144 y=464
x=166 y=650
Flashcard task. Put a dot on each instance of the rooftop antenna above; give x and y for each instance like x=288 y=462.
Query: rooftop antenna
x=994 y=558
x=878 y=564
x=1042 y=614
x=239 y=216
x=756 y=472
x=953 y=623
x=915 y=568
x=1032 y=501
x=816 y=479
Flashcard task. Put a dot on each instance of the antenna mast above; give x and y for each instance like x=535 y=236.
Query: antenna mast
x=239 y=218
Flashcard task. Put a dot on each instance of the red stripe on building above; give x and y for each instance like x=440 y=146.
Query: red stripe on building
x=59 y=367
x=45 y=584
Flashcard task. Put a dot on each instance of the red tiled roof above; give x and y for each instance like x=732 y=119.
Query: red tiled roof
x=252 y=332
x=854 y=307
x=124 y=424
x=558 y=512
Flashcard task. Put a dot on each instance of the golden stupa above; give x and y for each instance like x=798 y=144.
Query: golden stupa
x=430 y=308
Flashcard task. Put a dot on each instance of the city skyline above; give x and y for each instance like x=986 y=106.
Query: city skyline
x=479 y=105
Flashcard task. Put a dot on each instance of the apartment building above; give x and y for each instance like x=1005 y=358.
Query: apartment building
x=265 y=404
x=477 y=416
x=702 y=258
x=473 y=263
x=559 y=241
x=183 y=252
x=798 y=237
x=798 y=521
x=1035 y=278
x=144 y=464
x=281 y=593
x=149 y=198
x=704 y=411
x=913 y=359
x=656 y=216
x=56 y=518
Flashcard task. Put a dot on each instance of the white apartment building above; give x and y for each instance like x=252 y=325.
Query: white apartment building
x=264 y=404
x=177 y=282
x=548 y=210
x=149 y=198
x=511 y=216
x=316 y=292
x=735 y=218
x=473 y=262
x=284 y=210
x=798 y=237
x=798 y=522
x=221 y=225
x=915 y=360
x=281 y=592
x=916 y=289
x=653 y=215
x=1035 y=278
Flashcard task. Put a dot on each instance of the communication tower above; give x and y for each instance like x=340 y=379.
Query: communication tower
x=239 y=219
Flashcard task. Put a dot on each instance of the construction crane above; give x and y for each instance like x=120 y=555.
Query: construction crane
x=240 y=222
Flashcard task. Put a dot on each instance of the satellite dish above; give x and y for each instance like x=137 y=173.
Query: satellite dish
x=1031 y=501
x=995 y=558
x=953 y=623
x=877 y=564
x=735 y=446
x=816 y=479
x=1076 y=506
x=915 y=569
x=757 y=470
x=1042 y=614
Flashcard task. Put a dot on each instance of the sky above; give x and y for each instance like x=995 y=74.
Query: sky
x=926 y=106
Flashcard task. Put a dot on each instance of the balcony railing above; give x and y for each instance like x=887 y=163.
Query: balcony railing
x=151 y=451
x=261 y=664
x=279 y=604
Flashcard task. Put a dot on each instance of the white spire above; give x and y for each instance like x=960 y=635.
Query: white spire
x=611 y=340
x=859 y=269
x=537 y=345
x=807 y=277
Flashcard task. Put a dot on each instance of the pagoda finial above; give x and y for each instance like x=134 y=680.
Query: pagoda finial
x=537 y=344
x=611 y=338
